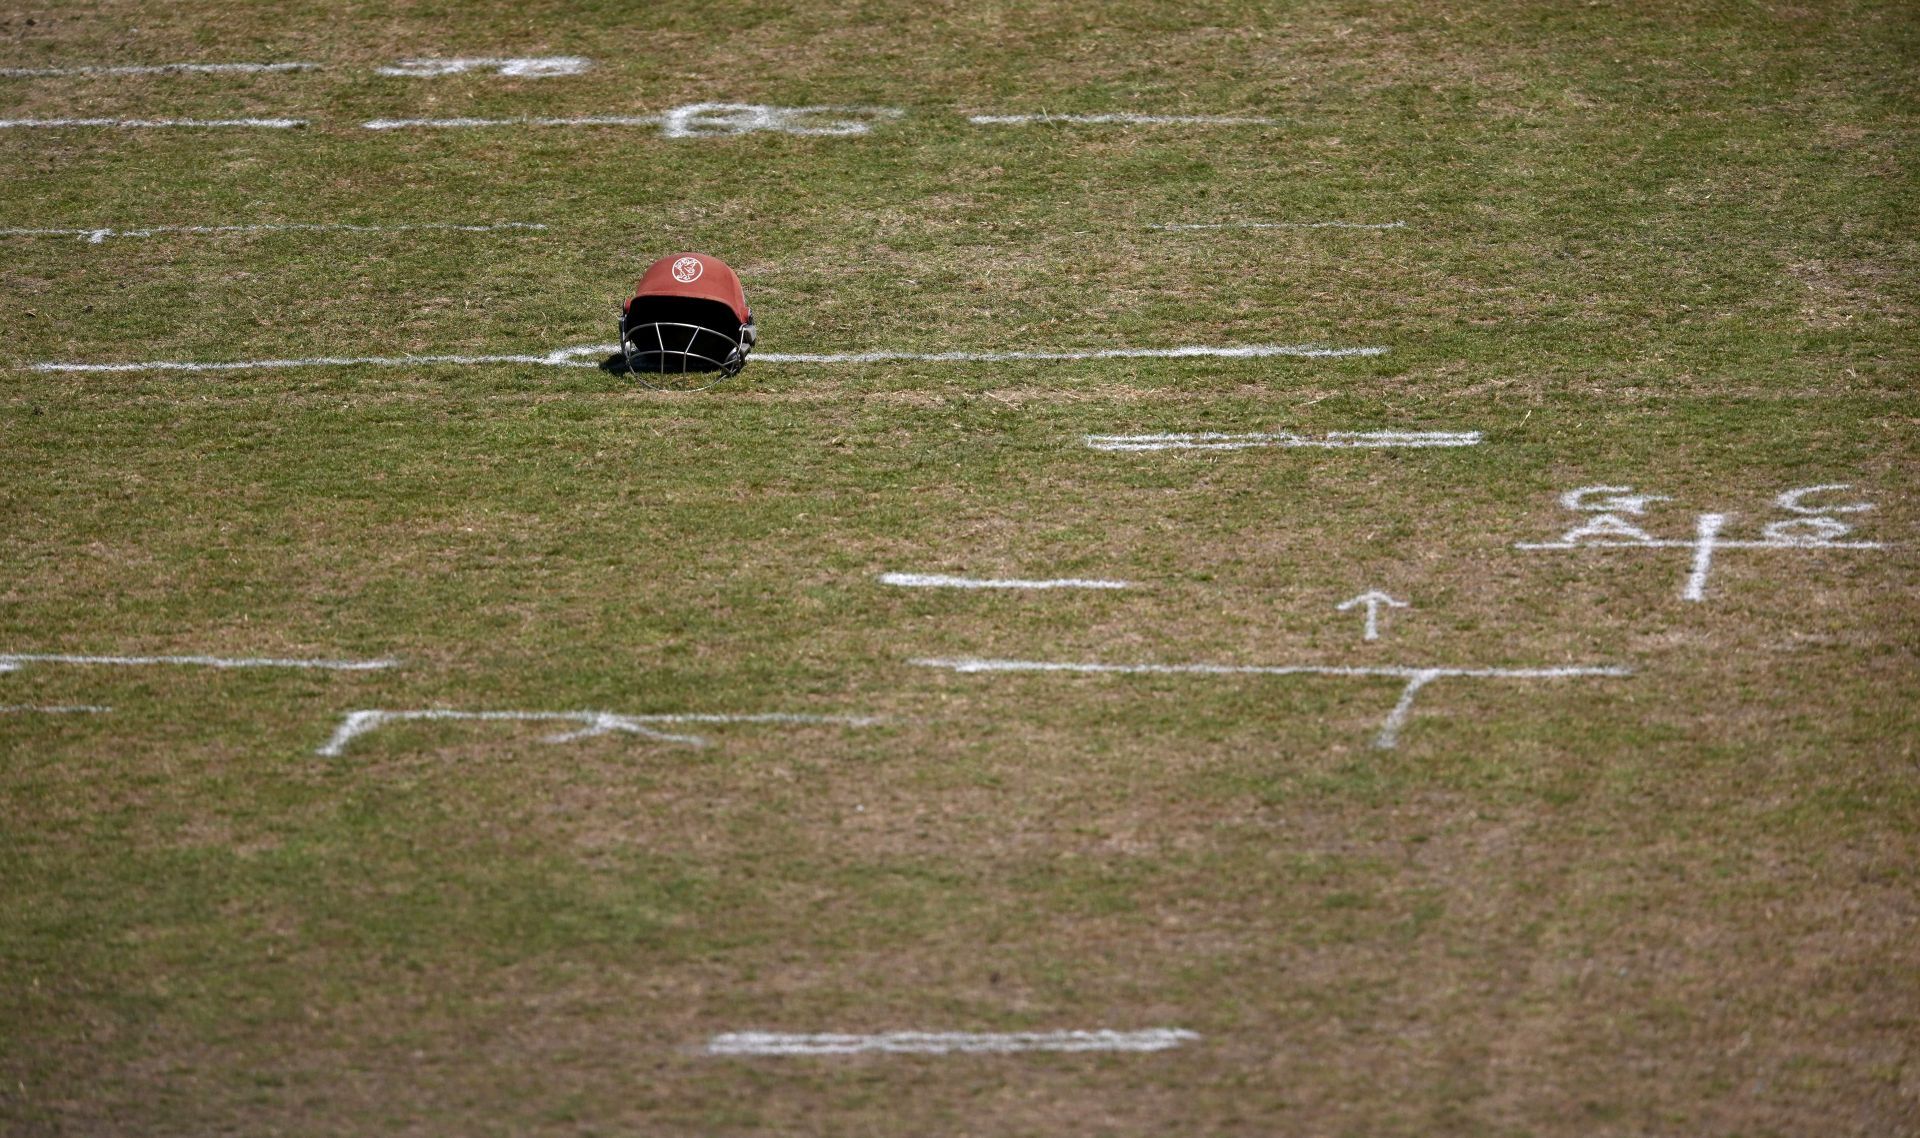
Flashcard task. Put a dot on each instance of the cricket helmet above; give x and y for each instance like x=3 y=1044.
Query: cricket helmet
x=687 y=324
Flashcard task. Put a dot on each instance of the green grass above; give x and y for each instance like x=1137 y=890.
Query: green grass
x=1669 y=246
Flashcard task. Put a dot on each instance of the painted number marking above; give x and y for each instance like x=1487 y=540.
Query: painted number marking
x=1612 y=518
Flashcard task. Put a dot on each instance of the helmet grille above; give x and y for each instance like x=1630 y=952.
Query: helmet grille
x=681 y=343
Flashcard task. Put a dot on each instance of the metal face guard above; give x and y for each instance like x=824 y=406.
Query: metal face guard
x=673 y=356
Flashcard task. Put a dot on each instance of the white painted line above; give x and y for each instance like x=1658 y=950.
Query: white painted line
x=159 y=69
x=1705 y=533
x=1389 y=735
x=696 y=120
x=12 y=660
x=1246 y=351
x=946 y=1042
x=98 y=236
x=69 y=709
x=565 y=357
x=1145 y=120
x=761 y=717
x=937 y=581
x=1208 y=440
x=580 y=120
x=1178 y=226
x=534 y=67
x=581 y=357
x=1661 y=543
x=593 y=723
x=276 y=124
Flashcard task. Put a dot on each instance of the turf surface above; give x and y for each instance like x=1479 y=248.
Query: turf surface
x=1662 y=246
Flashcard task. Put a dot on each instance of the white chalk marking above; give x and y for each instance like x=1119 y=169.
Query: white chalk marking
x=1144 y=120
x=1815 y=529
x=937 y=581
x=1178 y=226
x=1662 y=543
x=564 y=357
x=99 y=236
x=1208 y=440
x=1248 y=351
x=697 y=120
x=1706 y=530
x=274 y=124
x=1416 y=678
x=12 y=660
x=1622 y=498
x=581 y=120
x=593 y=723
x=1806 y=532
x=66 y=709
x=581 y=357
x=1792 y=500
x=705 y=119
x=946 y=1042
x=1389 y=735
x=160 y=69
x=1607 y=527
x=1373 y=599
x=533 y=67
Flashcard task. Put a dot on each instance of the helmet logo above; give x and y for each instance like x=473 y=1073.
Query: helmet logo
x=688 y=269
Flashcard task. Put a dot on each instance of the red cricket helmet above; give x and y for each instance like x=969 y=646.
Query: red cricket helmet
x=688 y=317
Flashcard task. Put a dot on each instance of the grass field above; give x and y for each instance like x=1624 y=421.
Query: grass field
x=1669 y=247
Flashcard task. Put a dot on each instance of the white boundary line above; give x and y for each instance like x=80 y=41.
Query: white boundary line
x=1246 y=351
x=694 y=120
x=939 y=581
x=575 y=357
x=1180 y=227
x=1389 y=735
x=1334 y=439
x=582 y=120
x=12 y=661
x=98 y=236
x=66 y=709
x=593 y=723
x=159 y=69
x=274 y=124
x=946 y=1042
x=1144 y=120
x=521 y=67
x=1662 y=543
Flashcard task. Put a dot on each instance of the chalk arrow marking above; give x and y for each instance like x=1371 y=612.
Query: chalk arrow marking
x=1373 y=599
